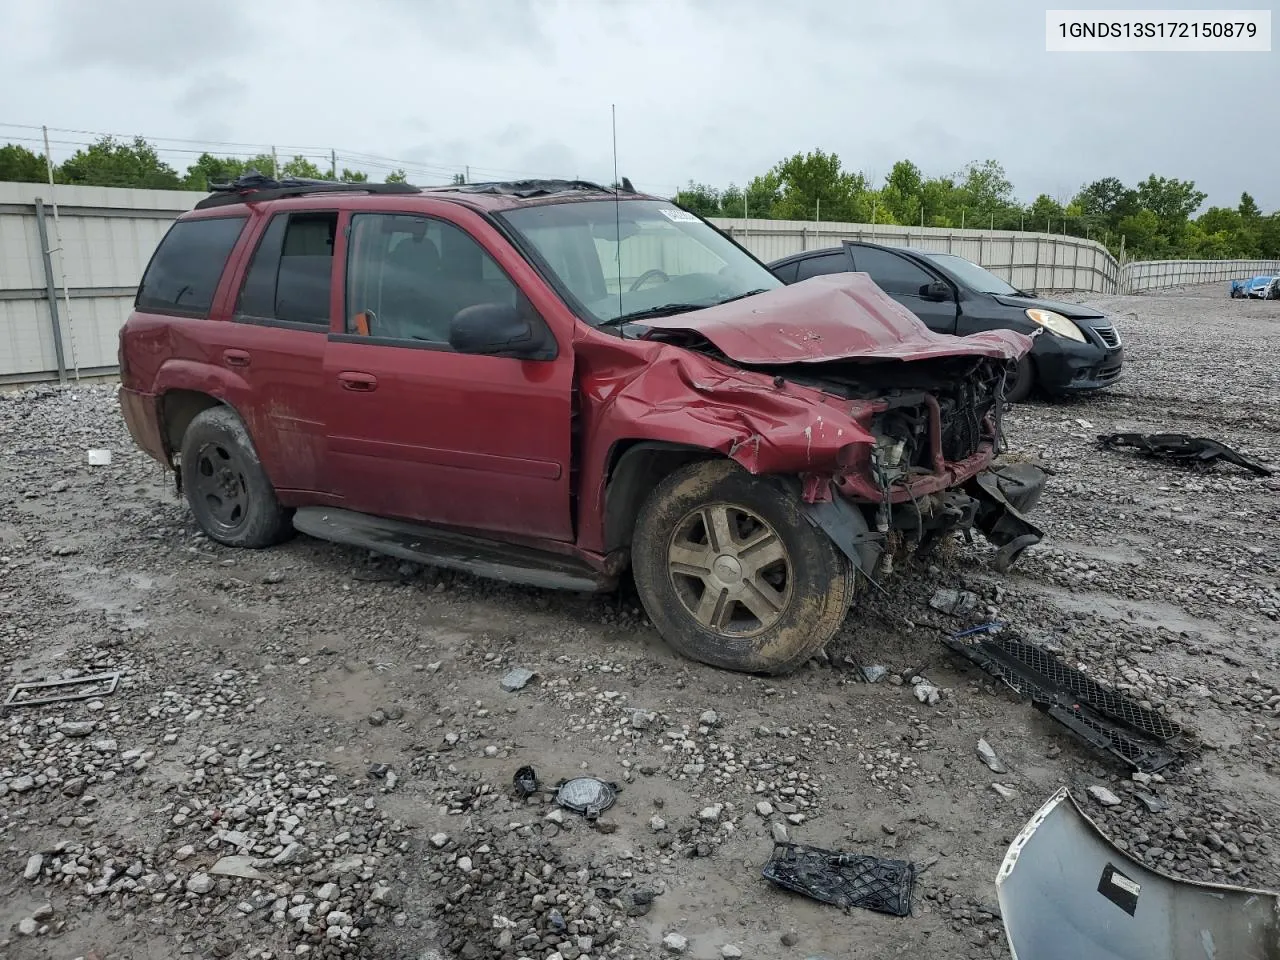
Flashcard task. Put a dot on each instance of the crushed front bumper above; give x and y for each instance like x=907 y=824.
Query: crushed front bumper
x=994 y=501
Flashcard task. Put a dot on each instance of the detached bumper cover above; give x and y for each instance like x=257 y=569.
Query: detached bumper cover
x=1066 y=893
x=1004 y=494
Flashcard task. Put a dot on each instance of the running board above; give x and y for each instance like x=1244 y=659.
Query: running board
x=437 y=547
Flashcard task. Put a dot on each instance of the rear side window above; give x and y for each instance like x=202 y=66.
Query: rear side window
x=184 y=272
x=828 y=263
x=787 y=272
x=290 y=275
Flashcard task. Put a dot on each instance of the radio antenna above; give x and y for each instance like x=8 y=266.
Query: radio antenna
x=617 y=212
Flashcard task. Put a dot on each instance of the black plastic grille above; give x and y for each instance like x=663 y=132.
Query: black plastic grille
x=844 y=880
x=1108 y=335
x=1103 y=717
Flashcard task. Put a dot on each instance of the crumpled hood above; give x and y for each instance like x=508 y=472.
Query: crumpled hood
x=842 y=316
x=1072 y=311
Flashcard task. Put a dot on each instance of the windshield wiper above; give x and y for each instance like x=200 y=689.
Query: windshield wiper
x=741 y=296
x=665 y=310
x=668 y=309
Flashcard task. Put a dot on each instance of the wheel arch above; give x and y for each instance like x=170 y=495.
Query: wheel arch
x=635 y=468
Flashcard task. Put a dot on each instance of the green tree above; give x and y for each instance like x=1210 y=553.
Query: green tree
x=814 y=185
x=353 y=176
x=1269 y=236
x=1106 y=202
x=1042 y=213
x=700 y=199
x=984 y=191
x=1143 y=237
x=114 y=163
x=1248 y=208
x=208 y=170
x=731 y=201
x=302 y=168
x=17 y=163
x=397 y=176
x=1171 y=200
x=763 y=194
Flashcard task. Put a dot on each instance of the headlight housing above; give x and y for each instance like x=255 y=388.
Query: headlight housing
x=1056 y=323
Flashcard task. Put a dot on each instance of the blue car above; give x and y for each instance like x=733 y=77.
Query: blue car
x=1256 y=288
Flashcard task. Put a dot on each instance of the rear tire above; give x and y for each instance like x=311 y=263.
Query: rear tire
x=733 y=575
x=1024 y=381
x=229 y=493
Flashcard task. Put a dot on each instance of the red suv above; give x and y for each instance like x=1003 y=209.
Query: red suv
x=550 y=382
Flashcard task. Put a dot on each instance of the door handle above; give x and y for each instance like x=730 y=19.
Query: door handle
x=353 y=380
x=235 y=358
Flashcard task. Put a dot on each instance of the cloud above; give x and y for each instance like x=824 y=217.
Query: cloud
x=707 y=90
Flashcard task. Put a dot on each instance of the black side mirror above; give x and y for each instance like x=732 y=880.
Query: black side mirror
x=496 y=329
x=936 y=291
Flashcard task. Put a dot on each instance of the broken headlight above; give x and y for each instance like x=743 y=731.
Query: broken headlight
x=1056 y=323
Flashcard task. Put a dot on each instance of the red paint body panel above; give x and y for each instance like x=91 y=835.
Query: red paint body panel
x=834 y=317
x=512 y=448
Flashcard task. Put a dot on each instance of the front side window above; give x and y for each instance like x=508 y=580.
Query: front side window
x=632 y=258
x=408 y=276
x=892 y=273
x=291 y=273
x=184 y=273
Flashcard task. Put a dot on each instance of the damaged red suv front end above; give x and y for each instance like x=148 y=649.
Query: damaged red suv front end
x=898 y=420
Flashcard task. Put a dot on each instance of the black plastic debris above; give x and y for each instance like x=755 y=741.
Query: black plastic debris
x=587 y=795
x=525 y=781
x=1183 y=449
x=1104 y=718
x=844 y=880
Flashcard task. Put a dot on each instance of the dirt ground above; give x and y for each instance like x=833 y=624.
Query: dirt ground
x=335 y=723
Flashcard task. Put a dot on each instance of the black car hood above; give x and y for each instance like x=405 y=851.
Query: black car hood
x=1072 y=311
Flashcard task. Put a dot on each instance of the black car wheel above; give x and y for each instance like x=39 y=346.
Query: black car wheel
x=733 y=575
x=1019 y=388
x=229 y=493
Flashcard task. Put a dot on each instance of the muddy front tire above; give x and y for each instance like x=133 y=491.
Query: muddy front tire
x=733 y=575
x=229 y=493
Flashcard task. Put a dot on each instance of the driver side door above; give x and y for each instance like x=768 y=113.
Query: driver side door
x=905 y=281
x=420 y=431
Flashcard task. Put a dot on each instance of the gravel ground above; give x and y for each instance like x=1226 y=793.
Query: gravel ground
x=310 y=752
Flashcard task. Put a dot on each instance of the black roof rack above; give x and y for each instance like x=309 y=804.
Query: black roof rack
x=254 y=186
x=526 y=189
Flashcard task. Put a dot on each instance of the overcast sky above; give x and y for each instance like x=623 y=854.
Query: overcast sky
x=708 y=90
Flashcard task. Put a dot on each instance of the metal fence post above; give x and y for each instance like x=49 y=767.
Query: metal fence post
x=51 y=293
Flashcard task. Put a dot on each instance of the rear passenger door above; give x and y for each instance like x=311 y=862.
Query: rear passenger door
x=419 y=431
x=281 y=325
x=905 y=281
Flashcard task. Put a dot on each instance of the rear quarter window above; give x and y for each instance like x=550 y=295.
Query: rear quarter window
x=185 y=269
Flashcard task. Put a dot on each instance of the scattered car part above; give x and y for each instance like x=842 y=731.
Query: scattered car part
x=1104 y=718
x=843 y=880
x=1181 y=448
x=77 y=688
x=525 y=781
x=873 y=673
x=1067 y=892
x=1004 y=494
x=955 y=603
x=589 y=796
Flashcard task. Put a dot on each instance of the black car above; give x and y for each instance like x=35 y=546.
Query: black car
x=1078 y=349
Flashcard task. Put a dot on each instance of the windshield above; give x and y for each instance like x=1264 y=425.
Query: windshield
x=667 y=261
x=972 y=275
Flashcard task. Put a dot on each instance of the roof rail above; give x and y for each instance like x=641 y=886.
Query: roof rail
x=526 y=188
x=252 y=187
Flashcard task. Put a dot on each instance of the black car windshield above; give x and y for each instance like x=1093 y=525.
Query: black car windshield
x=972 y=275
x=667 y=261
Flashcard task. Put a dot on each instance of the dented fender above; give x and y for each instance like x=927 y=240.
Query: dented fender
x=673 y=395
